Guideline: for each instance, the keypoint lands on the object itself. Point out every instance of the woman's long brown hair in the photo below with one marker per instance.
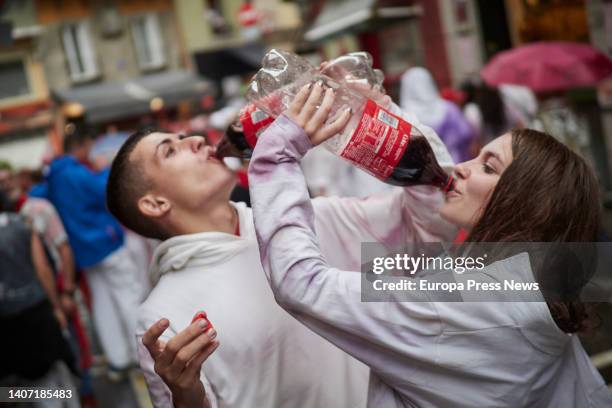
(547, 194)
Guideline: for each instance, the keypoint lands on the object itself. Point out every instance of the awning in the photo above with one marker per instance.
(339, 16)
(108, 101)
(224, 62)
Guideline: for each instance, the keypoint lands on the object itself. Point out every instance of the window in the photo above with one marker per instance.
(79, 52)
(13, 79)
(147, 41)
(216, 17)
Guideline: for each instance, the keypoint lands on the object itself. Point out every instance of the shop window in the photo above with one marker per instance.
(79, 52)
(13, 79)
(148, 42)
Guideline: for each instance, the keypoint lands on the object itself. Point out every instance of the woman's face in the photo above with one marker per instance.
(476, 180)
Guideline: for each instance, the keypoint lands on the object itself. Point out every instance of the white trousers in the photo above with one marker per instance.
(116, 294)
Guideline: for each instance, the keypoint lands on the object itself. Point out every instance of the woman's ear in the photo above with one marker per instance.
(154, 206)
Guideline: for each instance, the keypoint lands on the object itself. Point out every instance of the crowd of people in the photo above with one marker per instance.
(221, 305)
(82, 257)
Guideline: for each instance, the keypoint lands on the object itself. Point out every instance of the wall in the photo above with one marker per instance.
(115, 56)
(198, 35)
(599, 14)
(462, 38)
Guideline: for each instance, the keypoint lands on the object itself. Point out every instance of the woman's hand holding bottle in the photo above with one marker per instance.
(311, 113)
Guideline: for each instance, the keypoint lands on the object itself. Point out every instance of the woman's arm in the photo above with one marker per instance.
(326, 299)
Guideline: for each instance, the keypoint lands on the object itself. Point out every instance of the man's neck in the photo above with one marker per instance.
(222, 217)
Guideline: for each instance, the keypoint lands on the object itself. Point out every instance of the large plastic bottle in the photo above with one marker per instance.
(376, 140)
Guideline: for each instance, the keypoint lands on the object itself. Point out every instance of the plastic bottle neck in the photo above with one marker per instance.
(449, 185)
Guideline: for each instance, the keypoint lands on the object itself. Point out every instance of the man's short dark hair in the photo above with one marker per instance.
(127, 183)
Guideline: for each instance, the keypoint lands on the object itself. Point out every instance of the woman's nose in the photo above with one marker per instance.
(462, 170)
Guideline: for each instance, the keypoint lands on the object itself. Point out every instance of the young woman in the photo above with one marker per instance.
(523, 186)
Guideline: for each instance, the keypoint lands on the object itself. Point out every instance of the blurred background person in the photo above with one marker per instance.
(140, 248)
(558, 115)
(35, 352)
(6, 172)
(419, 95)
(78, 193)
(521, 101)
(46, 222)
(492, 111)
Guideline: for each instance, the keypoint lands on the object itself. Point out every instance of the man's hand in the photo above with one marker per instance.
(310, 113)
(179, 361)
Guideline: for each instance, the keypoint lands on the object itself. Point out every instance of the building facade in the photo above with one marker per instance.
(123, 61)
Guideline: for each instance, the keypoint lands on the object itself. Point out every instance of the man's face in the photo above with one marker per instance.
(183, 170)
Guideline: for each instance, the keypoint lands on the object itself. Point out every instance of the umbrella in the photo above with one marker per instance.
(548, 66)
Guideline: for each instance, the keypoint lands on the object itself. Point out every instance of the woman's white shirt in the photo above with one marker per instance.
(421, 353)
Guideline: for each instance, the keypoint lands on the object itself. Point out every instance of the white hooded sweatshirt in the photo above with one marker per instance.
(421, 353)
(266, 358)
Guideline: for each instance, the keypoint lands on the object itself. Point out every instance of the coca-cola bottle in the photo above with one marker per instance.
(375, 139)
(241, 135)
(353, 69)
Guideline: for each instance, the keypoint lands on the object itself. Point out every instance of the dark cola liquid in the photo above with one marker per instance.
(418, 166)
(234, 144)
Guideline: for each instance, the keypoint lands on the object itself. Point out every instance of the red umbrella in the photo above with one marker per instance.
(548, 66)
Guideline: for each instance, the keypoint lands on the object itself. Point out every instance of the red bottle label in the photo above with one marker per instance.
(254, 121)
(379, 141)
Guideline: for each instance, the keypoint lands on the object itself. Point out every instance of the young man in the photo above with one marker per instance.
(171, 188)
(78, 194)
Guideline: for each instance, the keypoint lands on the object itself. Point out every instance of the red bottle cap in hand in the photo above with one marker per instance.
(202, 315)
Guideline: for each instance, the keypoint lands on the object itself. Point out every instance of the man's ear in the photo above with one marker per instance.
(154, 206)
